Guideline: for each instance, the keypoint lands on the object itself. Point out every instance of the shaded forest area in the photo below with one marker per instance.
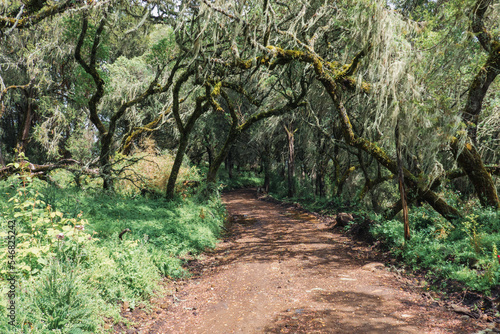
(121, 121)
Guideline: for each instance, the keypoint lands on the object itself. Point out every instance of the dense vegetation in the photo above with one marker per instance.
(119, 115)
(74, 270)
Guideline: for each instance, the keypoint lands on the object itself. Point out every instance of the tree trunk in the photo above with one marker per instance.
(266, 162)
(2, 161)
(229, 164)
(24, 132)
(291, 158)
(321, 167)
(210, 155)
(183, 143)
(341, 182)
(174, 173)
(105, 162)
(214, 167)
(470, 161)
(402, 191)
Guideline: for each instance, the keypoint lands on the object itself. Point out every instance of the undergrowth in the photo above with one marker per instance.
(465, 251)
(72, 269)
(243, 179)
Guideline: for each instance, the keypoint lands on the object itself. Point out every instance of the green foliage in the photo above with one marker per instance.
(42, 232)
(240, 180)
(466, 252)
(61, 300)
(70, 283)
(162, 49)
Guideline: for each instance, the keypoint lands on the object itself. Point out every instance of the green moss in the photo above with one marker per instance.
(294, 54)
(244, 64)
(216, 90)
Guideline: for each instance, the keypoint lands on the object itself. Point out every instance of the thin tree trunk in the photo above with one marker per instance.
(183, 143)
(321, 166)
(402, 191)
(2, 161)
(267, 169)
(174, 173)
(24, 132)
(214, 167)
(291, 158)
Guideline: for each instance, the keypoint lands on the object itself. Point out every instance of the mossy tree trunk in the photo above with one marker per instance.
(28, 115)
(183, 143)
(468, 158)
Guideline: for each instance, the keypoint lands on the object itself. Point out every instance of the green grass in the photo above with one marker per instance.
(465, 251)
(70, 285)
(242, 179)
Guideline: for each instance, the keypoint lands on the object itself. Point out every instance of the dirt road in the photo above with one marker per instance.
(280, 271)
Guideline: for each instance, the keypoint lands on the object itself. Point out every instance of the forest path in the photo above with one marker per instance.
(282, 271)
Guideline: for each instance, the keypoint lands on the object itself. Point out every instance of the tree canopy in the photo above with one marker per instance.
(314, 87)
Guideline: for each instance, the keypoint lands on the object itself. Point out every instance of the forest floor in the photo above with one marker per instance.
(280, 270)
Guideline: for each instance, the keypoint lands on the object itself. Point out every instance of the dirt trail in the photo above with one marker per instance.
(281, 271)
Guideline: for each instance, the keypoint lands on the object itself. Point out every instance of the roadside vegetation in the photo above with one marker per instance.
(74, 269)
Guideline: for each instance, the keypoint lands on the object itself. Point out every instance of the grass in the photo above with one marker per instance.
(242, 179)
(74, 271)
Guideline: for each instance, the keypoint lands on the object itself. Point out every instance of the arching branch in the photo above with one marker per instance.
(29, 19)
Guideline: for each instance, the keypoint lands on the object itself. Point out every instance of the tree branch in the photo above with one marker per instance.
(477, 24)
(91, 70)
(29, 20)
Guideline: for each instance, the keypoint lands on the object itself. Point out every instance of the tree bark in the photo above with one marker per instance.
(401, 183)
(24, 132)
(266, 161)
(236, 130)
(468, 157)
(2, 161)
(229, 165)
(183, 143)
(470, 161)
(291, 158)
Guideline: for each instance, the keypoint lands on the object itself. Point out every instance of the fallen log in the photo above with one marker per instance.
(36, 170)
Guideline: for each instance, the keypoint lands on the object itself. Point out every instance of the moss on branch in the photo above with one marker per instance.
(28, 20)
